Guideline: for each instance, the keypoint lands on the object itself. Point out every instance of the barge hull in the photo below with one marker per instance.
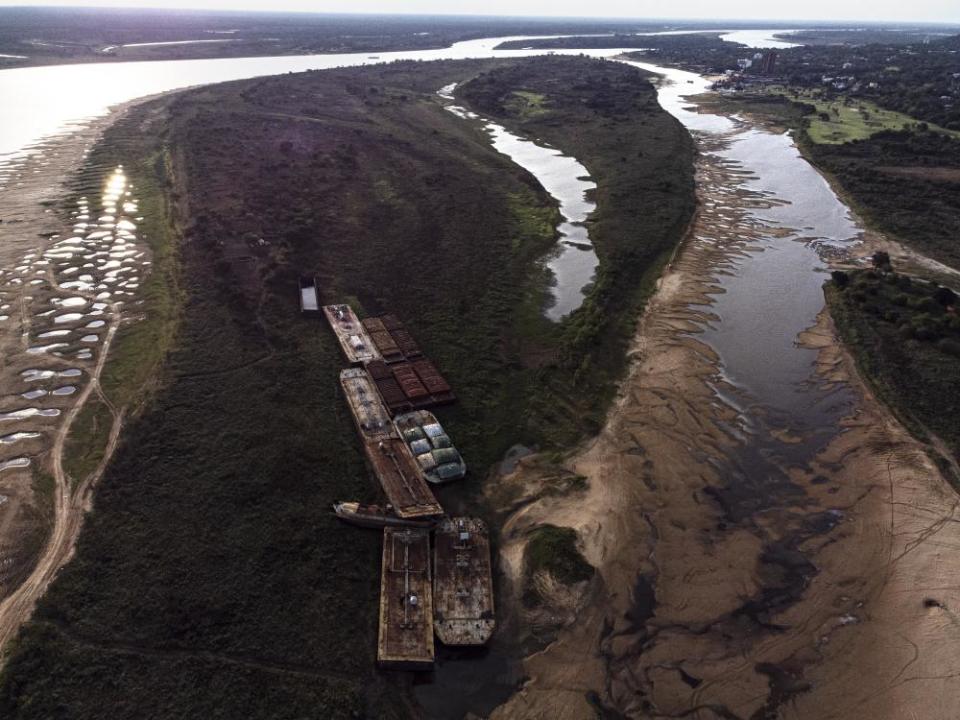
(369, 413)
(405, 636)
(400, 477)
(463, 583)
(353, 338)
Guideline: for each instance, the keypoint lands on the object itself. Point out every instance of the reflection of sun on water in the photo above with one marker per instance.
(81, 282)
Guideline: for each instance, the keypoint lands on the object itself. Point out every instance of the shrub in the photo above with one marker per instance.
(945, 296)
(881, 261)
(949, 346)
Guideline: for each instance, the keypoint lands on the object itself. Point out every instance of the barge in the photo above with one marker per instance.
(309, 296)
(439, 460)
(369, 413)
(407, 386)
(405, 636)
(463, 582)
(354, 340)
(400, 478)
(392, 339)
(389, 456)
(375, 516)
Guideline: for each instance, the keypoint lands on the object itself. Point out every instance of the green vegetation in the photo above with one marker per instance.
(211, 579)
(835, 120)
(88, 439)
(840, 121)
(606, 115)
(905, 336)
(526, 104)
(554, 550)
(904, 183)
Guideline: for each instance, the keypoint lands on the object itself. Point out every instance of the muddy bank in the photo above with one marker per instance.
(819, 589)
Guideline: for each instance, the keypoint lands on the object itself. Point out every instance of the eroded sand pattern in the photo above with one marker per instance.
(65, 290)
(769, 543)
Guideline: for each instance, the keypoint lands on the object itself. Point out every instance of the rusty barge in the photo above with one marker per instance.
(405, 636)
(389, 456)
(375, 516)
(462, 582)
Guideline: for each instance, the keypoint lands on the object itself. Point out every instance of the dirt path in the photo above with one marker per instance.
(70, 503)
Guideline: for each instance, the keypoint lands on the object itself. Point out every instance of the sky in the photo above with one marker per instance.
(830, 10)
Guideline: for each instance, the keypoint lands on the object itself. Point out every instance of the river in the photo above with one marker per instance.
(765, 298)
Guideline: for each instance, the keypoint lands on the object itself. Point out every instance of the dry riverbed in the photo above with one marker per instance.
(70, 269)
(828, 595)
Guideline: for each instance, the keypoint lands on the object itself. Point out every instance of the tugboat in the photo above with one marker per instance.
(375, 516)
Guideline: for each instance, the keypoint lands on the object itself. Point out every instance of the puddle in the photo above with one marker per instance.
(28, 413)
(20, 462)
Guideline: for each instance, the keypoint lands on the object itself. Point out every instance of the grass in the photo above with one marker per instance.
(527, 104)
(554, 550)
(139, 348)
(87, 440)
(907, 344)
(834, 121)
(606, 115)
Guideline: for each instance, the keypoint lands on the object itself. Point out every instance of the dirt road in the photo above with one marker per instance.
(70, 502)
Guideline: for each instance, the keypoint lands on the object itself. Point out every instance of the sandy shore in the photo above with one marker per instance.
(42, 235)
(832, 600)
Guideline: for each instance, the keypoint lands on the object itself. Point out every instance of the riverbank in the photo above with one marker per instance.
(905, 336)
(71, 399)
(900, 182)
(725, 603)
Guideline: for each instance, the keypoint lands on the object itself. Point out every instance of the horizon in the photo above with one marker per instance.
(422, 8)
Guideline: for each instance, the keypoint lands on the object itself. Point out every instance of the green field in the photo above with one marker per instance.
(840, 120)
(211, 579)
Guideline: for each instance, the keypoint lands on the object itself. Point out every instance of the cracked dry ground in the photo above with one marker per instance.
(830, 592)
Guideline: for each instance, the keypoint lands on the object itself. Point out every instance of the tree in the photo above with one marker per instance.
(881, 261)
(840, 278)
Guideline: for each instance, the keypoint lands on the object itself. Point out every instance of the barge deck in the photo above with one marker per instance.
(400, 477)
(369, 413)
(405, 637)
(463, 583)
(354, 340)
(389, 456)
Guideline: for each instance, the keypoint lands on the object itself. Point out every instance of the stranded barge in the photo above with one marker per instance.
(389, 456)
(405, 638)
(375, 516)
(353, 339)
(430, 445)
(309, 302)
(462, 582)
